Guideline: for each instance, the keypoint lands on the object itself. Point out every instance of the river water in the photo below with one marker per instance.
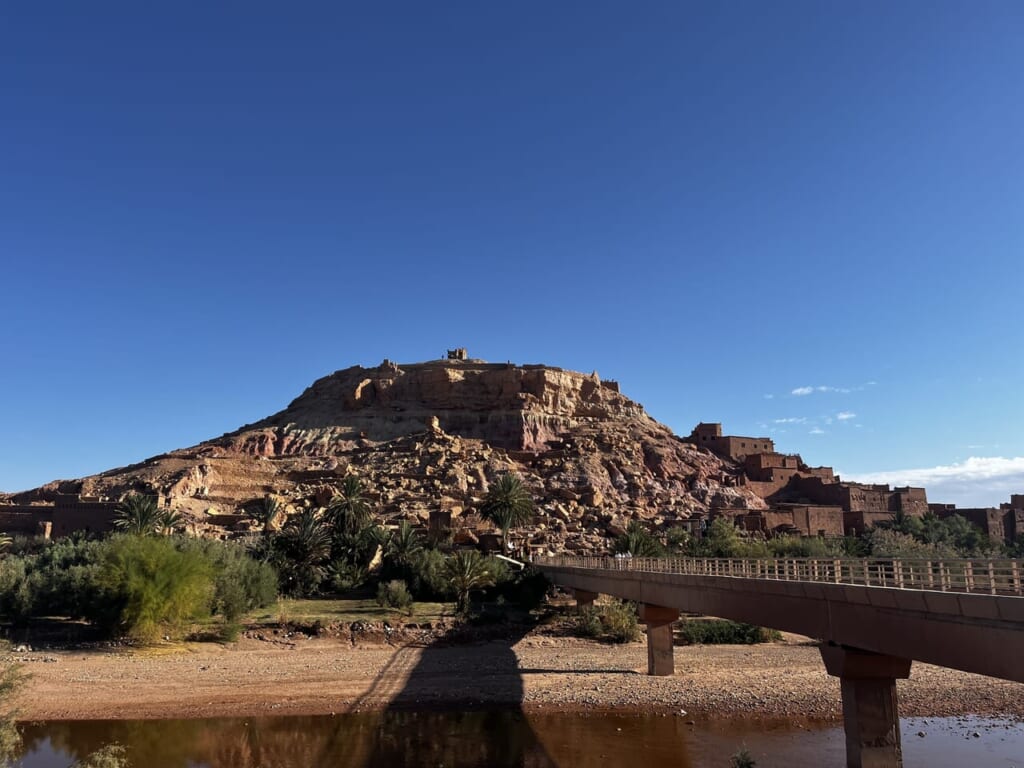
(506, 739)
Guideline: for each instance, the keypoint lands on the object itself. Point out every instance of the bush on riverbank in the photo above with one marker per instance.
(615, 621)
(394, 594)
(136, 586)
(722, 632)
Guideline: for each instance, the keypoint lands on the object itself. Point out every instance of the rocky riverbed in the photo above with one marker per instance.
(321, 675)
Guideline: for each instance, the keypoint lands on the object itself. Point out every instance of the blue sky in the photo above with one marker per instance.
(802, 219)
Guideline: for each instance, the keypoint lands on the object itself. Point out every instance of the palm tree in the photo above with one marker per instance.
(265, 512)
(508, 505)
(137, 514)
(305, 544)
(467, 571)
(638, 541)
(350, 508)
(403, 545)
(168, 521)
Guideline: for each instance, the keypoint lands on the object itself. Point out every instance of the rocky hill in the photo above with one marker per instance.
(431, 436)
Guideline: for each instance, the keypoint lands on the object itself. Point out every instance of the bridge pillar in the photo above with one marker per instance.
(660, 648)
(584, 599)
(870, 715)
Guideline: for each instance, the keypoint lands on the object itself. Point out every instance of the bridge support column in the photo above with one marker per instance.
(660, 656)
(870, 714)
(584, 599)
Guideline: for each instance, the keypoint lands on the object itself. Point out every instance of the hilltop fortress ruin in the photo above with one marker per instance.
(428, 438)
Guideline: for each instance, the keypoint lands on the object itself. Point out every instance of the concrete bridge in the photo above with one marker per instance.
(873, 618)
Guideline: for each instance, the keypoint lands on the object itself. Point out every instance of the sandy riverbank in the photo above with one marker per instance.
(322, 675)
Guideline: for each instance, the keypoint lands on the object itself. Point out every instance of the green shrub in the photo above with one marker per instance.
(394, 594)
(799, 546)
(588, 622)
(620, 622)
(615, 621)
(240, 582)
(524, 589)
(742, 759)
(428, 579)
(15, 592)
(149, 587)
(343, 576)
(722, 632)
(230, 632)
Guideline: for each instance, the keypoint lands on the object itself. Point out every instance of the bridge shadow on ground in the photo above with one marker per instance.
(456, 702)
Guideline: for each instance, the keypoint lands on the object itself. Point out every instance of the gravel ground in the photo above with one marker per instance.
(322, 675)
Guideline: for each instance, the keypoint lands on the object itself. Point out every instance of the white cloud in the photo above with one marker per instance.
(846, 415)
(977, 482)
(817, 431)
(792, 420)
(803, 391)
(769, 397)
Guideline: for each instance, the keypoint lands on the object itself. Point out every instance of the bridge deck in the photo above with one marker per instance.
(960, 614)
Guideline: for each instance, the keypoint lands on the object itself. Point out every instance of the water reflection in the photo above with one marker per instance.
(505, 739)
(408, 739)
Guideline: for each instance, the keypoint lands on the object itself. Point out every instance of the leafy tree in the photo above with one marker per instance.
(137, 514)
(350, 508)
(800, 546)
(885, 542)
(508, 505)
(901, 522)
(467, 571)
(638, 541)
(302, 550)
(721, 539)
(678, 540)
(954, 535)
(1016, 547)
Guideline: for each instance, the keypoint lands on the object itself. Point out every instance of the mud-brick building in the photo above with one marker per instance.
(728, 446)
(863, 505)
(769, 473)
(66, 514)
(795, 519)
(1002, 523)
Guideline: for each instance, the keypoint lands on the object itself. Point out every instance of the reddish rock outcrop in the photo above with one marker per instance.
(432, 435)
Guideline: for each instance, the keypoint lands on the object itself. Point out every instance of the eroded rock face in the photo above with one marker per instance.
(507, 406)
(433, 435)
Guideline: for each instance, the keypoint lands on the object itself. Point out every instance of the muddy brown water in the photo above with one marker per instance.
(506, 739)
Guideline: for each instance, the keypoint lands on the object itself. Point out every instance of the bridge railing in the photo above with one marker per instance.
(995, 577)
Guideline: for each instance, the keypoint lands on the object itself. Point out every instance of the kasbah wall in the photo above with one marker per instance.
(65, 515)
(814, 501)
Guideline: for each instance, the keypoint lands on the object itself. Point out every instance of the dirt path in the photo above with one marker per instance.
(320, 676)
